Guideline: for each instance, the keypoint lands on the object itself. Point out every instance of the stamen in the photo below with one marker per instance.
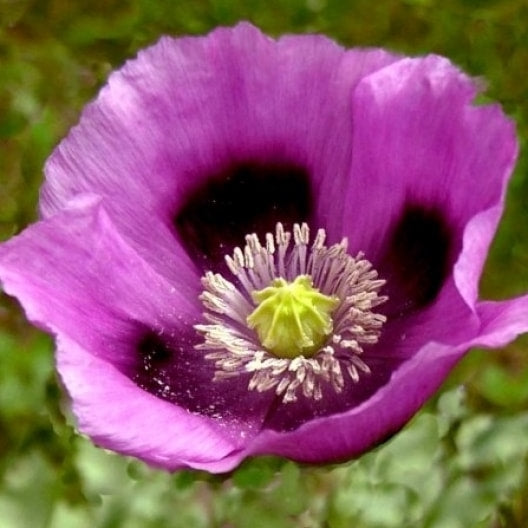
(238, 348)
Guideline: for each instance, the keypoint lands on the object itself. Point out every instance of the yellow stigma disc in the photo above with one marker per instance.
(292, 318)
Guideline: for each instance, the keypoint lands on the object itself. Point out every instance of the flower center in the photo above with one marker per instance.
(292, 318)
(297, 317)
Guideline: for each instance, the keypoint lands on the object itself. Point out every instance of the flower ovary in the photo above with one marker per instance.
(292, 318)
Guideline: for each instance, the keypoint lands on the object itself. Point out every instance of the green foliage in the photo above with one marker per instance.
(460, 463)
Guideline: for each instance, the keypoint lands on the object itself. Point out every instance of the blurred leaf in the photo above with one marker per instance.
(503, 389)
(255, 473)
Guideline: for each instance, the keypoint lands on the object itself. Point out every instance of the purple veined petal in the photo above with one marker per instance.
(81, 279)
(424, 157)
(117, 415)
(429, 172)
(74, 273)
(274, 117)
(345, 435)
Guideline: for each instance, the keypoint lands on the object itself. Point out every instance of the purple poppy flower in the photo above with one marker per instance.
(254, 246)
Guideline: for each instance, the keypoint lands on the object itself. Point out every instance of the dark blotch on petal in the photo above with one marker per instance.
(154, 363)
(247, 197)
(420, 254)
(154, 348)
(170, 368)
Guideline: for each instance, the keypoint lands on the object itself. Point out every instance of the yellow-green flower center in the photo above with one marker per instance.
(292, 318)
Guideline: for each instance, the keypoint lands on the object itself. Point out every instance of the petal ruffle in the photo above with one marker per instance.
(502, 321)
(419, 141)
(76, 275)
(187, 108)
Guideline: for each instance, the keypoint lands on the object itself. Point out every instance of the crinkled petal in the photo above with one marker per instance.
(349, 434)
(75, 274)
(502, 321)
(419, 142)
(188, 110)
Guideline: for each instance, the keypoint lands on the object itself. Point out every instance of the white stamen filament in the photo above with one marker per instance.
(235, 348)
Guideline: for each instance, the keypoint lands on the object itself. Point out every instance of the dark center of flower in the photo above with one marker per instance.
(283, 191)
(297, 318)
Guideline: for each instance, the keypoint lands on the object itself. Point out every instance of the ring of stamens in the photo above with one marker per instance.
(235, 347)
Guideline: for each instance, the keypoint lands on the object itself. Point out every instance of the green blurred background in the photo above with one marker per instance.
(462, 462)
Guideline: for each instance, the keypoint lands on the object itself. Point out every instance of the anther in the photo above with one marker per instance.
(298, 318)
